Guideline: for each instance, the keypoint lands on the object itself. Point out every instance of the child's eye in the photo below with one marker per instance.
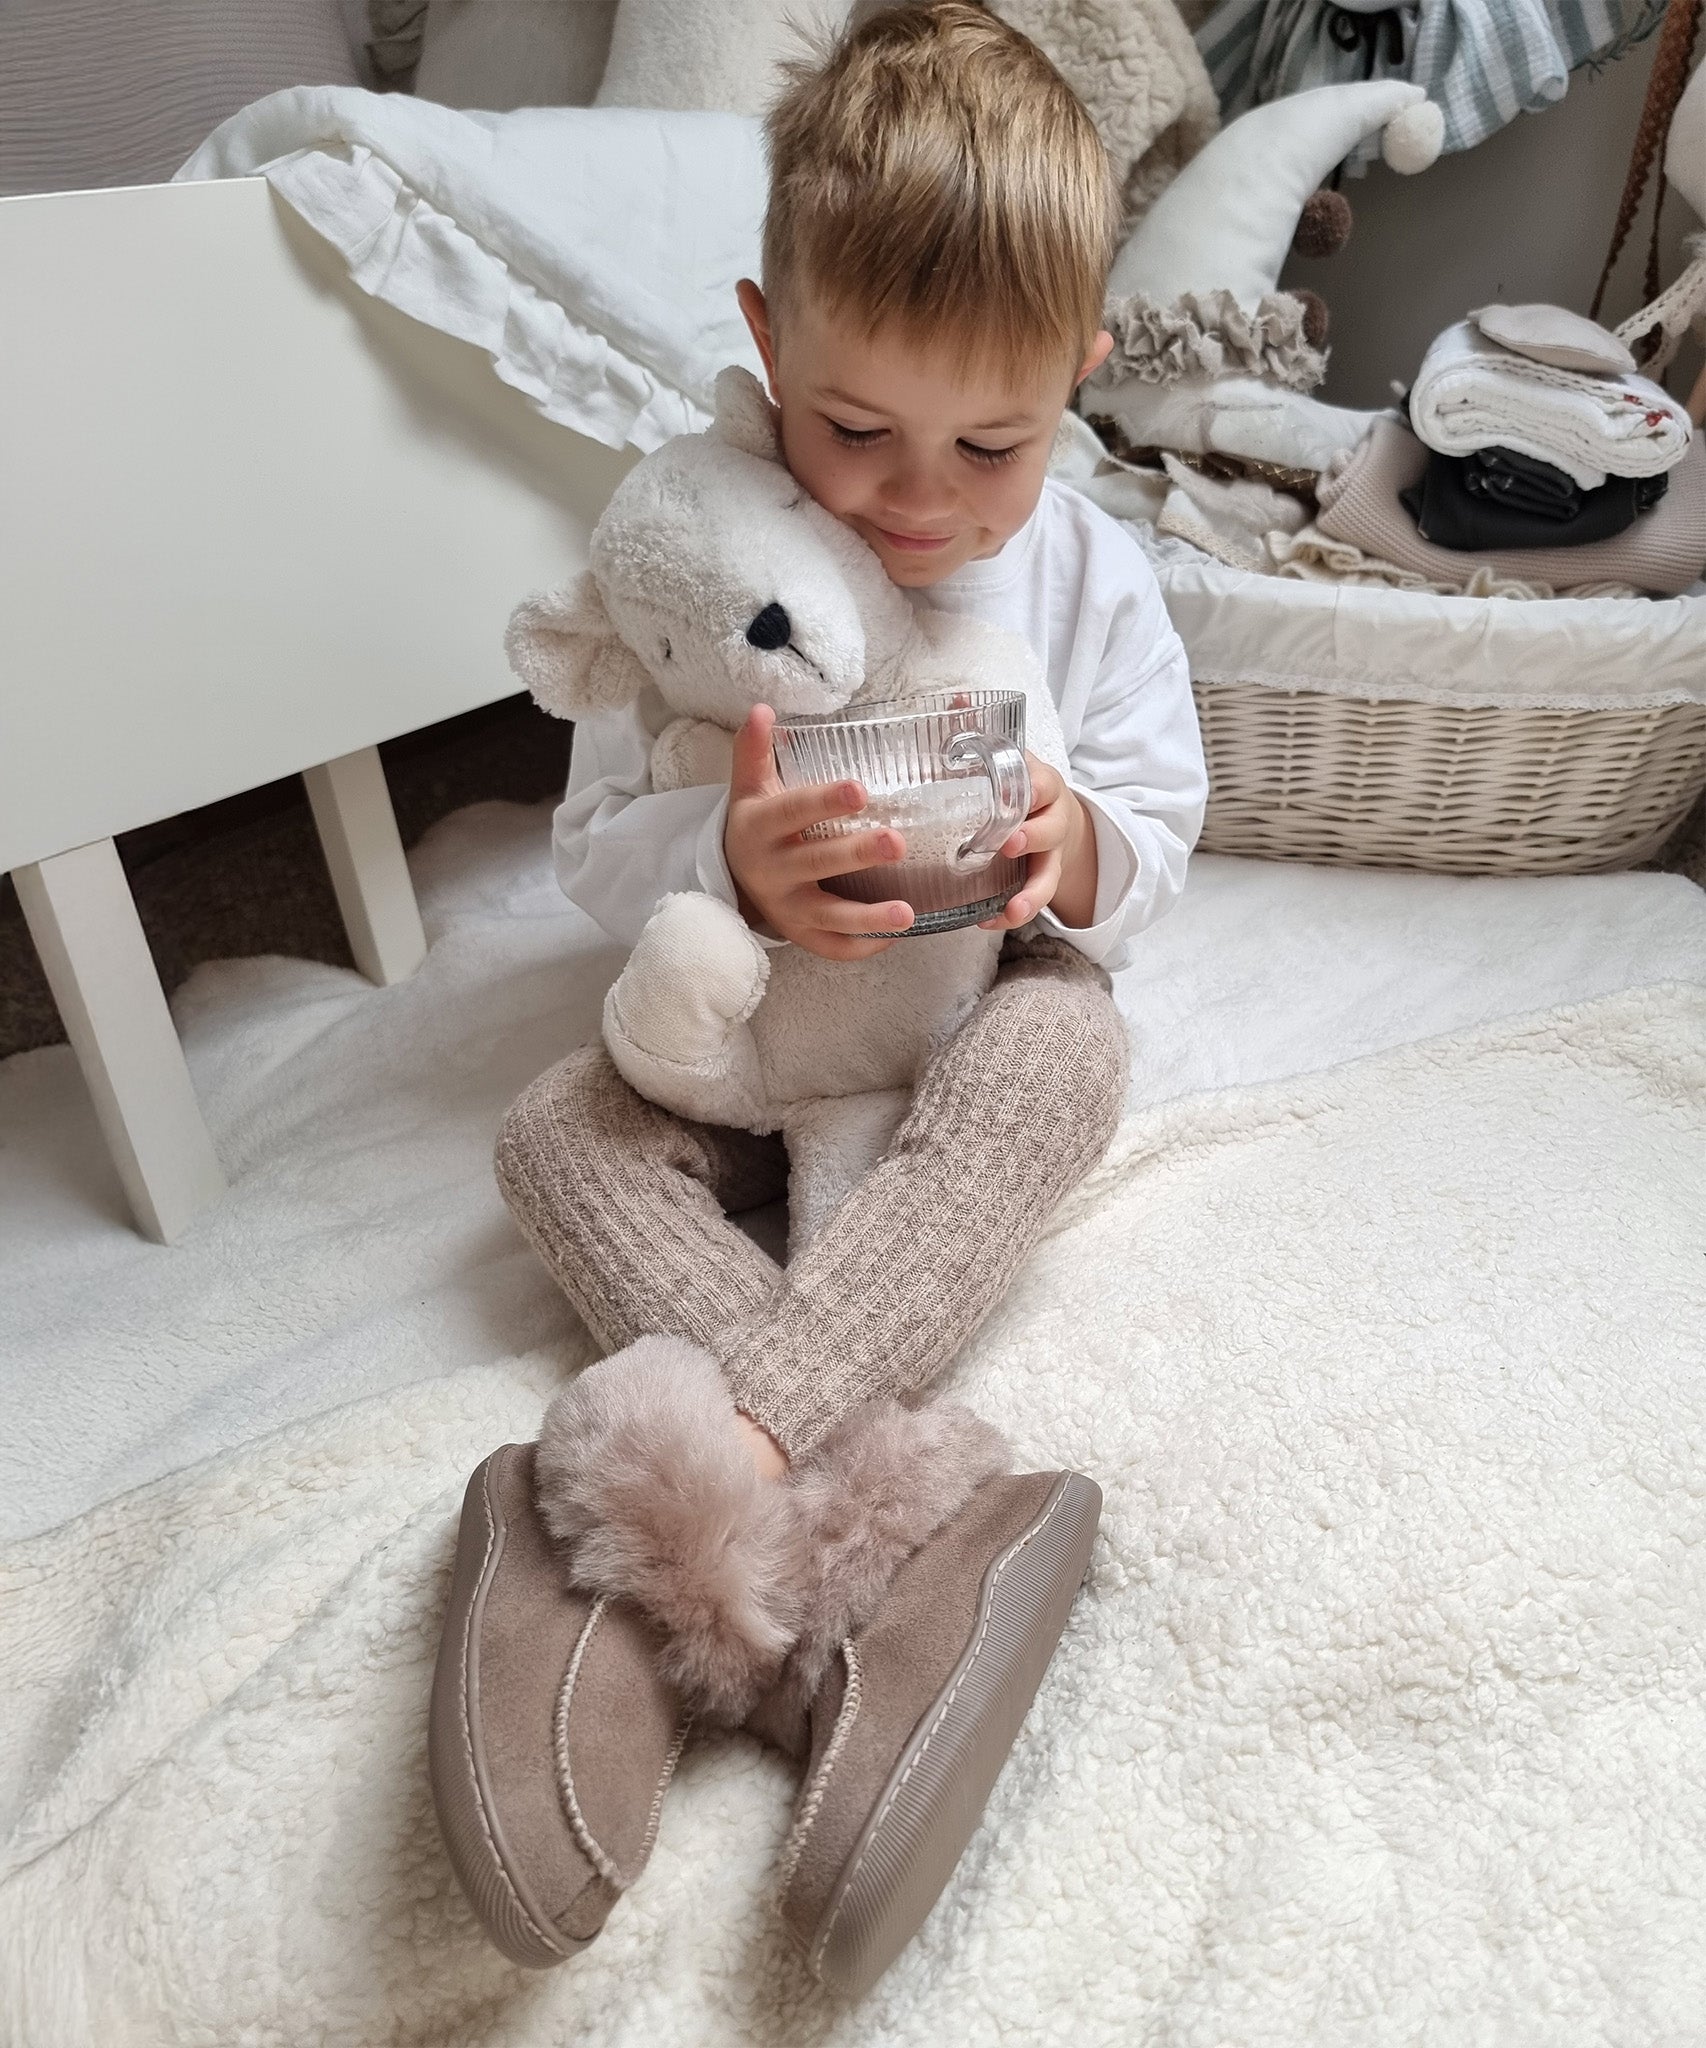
(991, 455)
(854, 437)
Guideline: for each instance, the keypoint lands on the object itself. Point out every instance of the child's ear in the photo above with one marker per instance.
(744, 418)
(564, 647)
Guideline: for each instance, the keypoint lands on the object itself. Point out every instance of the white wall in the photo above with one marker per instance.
(1526, 216)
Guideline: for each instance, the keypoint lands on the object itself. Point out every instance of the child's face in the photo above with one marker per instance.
(932, 464)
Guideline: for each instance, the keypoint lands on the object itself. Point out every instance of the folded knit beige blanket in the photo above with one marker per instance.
(1662, 553)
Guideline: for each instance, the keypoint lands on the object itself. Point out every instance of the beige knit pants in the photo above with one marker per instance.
(629, 1205)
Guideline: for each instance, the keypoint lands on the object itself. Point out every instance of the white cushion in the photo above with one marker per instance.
(1555, 335)
(591, 251)
(709, 53)
(1586, 654)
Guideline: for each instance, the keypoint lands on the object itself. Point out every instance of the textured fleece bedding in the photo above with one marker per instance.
(1380, 1718)
(1381, 1715)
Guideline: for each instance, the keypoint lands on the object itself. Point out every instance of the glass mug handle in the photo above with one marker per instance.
(1010, 792)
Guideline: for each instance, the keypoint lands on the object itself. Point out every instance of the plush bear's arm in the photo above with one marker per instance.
(690, 752)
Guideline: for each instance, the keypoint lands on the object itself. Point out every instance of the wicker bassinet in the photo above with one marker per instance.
(1471, 736)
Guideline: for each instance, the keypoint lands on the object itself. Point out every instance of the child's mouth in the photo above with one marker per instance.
(914, 543)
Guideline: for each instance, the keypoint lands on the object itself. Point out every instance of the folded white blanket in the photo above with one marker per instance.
(592, 252)
(1470, 393)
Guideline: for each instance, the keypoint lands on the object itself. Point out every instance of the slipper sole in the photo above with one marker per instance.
(935, 1796)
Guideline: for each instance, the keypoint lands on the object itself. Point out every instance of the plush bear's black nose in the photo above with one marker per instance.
(770, 629)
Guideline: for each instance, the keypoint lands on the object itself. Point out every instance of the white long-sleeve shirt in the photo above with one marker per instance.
(1080, 592)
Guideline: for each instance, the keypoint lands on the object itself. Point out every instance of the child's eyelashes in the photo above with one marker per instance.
(991, 455)
(865, 437)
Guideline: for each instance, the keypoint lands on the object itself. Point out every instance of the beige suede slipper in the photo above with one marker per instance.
(914, 1716)
(885, 1613)
(552, 1736)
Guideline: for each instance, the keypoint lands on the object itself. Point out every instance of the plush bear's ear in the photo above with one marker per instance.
(564, 648)
(744, 417)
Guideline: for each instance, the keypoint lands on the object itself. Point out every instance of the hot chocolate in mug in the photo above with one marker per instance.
(948, 773)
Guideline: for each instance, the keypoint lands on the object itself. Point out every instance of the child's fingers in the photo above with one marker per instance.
(753, 769)
(1042, 831)
(792, 811)
(1048, 786)
(815, 860)
(1037, 894)
(818, 910)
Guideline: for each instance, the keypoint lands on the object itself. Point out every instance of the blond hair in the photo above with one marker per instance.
(934, 171)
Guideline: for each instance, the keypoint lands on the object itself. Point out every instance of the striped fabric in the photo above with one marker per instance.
(1483, 61)
(119, 92)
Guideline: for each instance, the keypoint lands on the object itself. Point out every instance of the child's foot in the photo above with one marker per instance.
(884, 1613)
(910, 1725)
(551, 1736)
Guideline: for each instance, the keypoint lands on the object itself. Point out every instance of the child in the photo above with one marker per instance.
(939, 233)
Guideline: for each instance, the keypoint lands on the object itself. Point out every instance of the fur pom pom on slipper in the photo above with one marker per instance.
(645, 1478)
(874, 1492)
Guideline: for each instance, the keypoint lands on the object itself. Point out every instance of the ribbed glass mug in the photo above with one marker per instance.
(948, 772)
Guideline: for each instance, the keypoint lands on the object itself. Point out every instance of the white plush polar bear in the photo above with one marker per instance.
(716, 583)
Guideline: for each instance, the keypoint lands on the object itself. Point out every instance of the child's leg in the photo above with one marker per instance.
(1008, 1118)
(865, 1589)
(626, 1204)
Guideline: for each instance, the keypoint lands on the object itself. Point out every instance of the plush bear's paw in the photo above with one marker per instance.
(689, 753)
(695, 976)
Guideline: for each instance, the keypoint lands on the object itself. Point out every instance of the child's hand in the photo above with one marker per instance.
(777, 872)
(1061, 842)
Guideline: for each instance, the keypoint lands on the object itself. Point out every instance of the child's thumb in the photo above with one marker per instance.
(753, 771)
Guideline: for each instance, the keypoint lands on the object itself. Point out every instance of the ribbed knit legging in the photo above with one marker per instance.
(629, 1205)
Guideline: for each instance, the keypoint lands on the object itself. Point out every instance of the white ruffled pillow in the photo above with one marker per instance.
(592, 252)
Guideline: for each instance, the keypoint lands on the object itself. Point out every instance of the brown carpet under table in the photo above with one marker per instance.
(246, 875)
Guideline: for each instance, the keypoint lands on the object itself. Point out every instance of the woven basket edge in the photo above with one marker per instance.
(1401, 687)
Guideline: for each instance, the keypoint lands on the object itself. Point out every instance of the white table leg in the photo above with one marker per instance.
(84, 923)
(358, 831)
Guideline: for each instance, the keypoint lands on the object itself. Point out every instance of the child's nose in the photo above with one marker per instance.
(916, 490)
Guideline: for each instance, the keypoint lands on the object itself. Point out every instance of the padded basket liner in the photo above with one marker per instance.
(1382, 728)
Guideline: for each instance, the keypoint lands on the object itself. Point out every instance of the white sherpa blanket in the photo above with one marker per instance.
(1381, 1719)
(1470, 393)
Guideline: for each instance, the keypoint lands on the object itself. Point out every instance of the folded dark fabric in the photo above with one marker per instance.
(1517, 479)
(1453, 508)
(1662, 552)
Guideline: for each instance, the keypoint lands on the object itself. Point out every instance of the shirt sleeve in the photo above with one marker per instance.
(1137, 762)
(620, 846)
